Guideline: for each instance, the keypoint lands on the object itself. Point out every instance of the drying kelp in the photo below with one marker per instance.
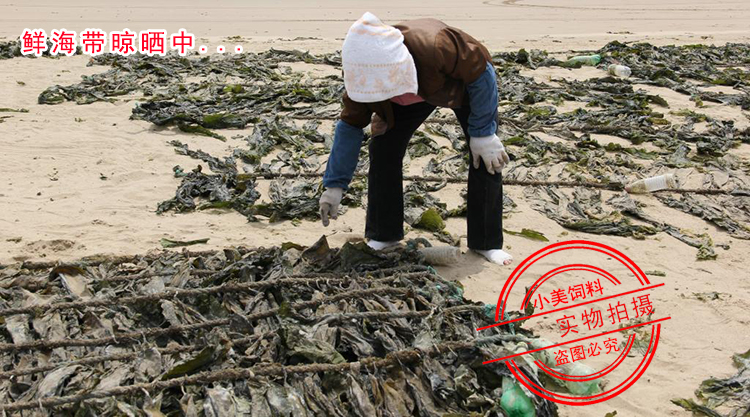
(423, 210)
(532, 59)
(670, 66)
(729, 397)
(617, 109)
(626, 111)
(583, 160)
(171, 243)
(454, 133)
(285, 331)
(298, 145)
(422, 145)
(12, 49)
(90, 89)
(730, 213)
(615, 106)
(293, 200)
(224, 188)
(211, 92)
(205, 94)
(666, 65)
(216, 190)
(212, 106)
(630, 207)
(584, 212)
(227, 188)
(455, 166)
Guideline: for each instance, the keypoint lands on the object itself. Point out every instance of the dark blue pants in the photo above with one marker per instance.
(385, 195)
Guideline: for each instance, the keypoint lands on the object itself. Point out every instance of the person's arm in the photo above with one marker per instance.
(347, 139)
(484, 143)
(462, 57)
(342, 162)
(483, 101)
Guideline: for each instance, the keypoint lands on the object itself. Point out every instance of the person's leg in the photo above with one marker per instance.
(385, 197)
(484, 217)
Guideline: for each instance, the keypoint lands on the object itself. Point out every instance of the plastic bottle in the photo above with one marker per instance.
(619, 70)
(441, 255)
(592, 60)
(579, 387)
(575, 369)
(515, 402)
(544, 356)
(652, 184)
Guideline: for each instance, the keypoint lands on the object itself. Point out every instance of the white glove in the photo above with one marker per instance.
(492, 152)
(329, 204)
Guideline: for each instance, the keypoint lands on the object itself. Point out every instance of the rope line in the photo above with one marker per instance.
(612, 186)
(182, 293)
(139, 335)
(235, 342)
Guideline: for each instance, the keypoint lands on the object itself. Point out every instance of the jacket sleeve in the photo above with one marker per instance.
(354, 113)
(483, 101)
(459, 55)
(347, 140)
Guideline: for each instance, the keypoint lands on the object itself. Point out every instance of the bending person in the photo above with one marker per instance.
(395, 76)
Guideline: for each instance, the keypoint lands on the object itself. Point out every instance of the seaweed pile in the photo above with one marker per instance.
(198, 91)
(12, 49)
(201, 94)
(283, 331)
(730, 395)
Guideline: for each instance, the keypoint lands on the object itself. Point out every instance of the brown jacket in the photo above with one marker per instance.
(446, 59)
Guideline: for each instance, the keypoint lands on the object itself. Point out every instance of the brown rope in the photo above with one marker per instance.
(406, 356)
(388, 271)
(115, 260)
(386, 315)
(208, 272)
(612, 186)
(143, 275)
(372, 315)
(118, 339)
(436, 120)
(183, 293)
(123, 259)
(170, 350)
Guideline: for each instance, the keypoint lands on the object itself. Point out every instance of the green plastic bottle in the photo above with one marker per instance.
(591, 60)
(515, 402)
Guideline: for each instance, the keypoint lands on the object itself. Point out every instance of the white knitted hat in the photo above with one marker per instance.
(377, 64)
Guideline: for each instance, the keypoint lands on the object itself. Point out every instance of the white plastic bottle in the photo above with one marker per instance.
(619, 70)
(441, 255)
(651, 184)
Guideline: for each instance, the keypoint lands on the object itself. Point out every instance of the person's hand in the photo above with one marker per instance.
(492, 152)
(329, 204)
(378, 126)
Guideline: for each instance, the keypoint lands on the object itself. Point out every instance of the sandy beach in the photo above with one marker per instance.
(79, 180)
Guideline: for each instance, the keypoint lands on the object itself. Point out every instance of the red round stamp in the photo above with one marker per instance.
(629, 307)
